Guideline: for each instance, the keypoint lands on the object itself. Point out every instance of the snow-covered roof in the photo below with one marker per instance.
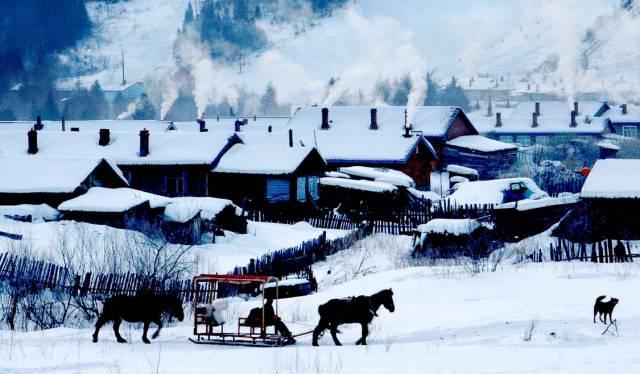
(362, 185)
(462, 170)
(550, 125)
(608, 145)
(528, 204)
(491, 191)
(450, 226)
(224, 124)
(247, 159)
(480, 143)
(37, 212)
(32, 174)
(169, 148)
(338, 147)
(558, 108)
(181, 209)
(395, 177)
(613, 179)
(432, 121)
(112, 200)
(615, 115)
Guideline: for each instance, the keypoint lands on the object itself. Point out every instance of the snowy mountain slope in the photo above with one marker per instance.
(377, 39)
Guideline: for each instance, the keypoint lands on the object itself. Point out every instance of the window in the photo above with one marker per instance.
(524, 140)
(313, 187)
(630, 131)
(277, 190)
(175, 186)
(506, 138)
(562, 139)
(301, 189)
(542, 140)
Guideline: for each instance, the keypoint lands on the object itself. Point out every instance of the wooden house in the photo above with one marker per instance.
(550, 123)
(383, 136)
(34, 179)
(266, 175)
(489, 157)
(609, 206)
(170, 163)
(625, 120)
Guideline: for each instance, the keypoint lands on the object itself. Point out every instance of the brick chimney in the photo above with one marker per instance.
(38, 125)
(203, 125)
(537, 108)
(576, 107)
(624, 108)
(105, 137)
(32, 137)
(290, 138)
(573, 119)
(237, 125)
(498, 119)
(374, 119)
(144, 143)
(534, 123)
(325, 119)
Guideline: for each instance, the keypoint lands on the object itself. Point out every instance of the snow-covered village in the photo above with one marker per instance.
(319, 186)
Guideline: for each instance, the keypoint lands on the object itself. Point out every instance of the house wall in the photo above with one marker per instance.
(175, 180)
(618, 128)
(488, 164)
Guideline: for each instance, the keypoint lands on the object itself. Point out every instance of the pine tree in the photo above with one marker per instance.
(454, 95)
(98, 105)
(119, 105)
(241, 10)
(433, 92)
(403, 89)
(144, 109)
(51, 111)
(188, 16)
(257, 14)
(268, 100)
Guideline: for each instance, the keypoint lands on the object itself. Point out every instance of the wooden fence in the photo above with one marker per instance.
(600, 252)
(298, 259)
(38, 275)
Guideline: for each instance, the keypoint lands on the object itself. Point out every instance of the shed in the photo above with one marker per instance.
(489, 157)
(610, 204)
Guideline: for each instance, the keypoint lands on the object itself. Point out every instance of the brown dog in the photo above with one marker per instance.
(604, 308)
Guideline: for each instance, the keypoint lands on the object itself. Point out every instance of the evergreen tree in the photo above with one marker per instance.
(241, 10)
(144, 109)
(183, 109)
(188, 16)
(433, 92)
(98, 107)
(119, 105)
(257, 14)
(382, 91)
(403, 89)
(454, 95)
(7, 115)
(268, 100)
(51, 111)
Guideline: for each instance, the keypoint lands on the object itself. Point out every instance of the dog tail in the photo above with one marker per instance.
(600, 298)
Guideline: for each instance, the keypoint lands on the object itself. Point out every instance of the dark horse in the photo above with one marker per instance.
(359, 309)
(142, 308)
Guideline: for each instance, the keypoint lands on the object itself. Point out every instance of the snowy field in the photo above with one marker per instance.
(520, 319)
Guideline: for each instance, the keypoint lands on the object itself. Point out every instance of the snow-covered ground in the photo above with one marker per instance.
(43, 240)
(520, 319)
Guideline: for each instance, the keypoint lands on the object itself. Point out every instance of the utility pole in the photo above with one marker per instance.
(124, 81)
